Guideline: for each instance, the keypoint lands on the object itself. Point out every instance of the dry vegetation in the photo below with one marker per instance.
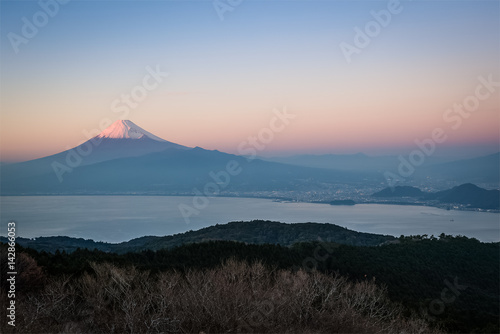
(234, 297)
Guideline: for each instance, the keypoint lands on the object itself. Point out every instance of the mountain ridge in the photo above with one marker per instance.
(252, 232)
(173, 170)
(467, 194)
(125, 159)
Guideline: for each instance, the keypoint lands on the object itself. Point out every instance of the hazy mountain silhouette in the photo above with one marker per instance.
(175, 170)
(124, 158)
(466, 194)
(478, 170)
(352, 162)
(470, 195)
(399, 191)
(484, 169)
(121, 139)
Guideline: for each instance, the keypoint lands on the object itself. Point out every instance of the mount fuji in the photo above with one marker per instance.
(121, 139)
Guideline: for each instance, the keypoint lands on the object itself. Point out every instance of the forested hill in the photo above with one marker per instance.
(252, 232)
(450, 282)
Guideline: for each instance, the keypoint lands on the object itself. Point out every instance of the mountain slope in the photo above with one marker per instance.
(399, 191)
(174, 171)
(470, 195)
(121, 139)
(352, 162)
(467, 194)
(125, 129)
(357, 162)
(478, 170)
(252, 232)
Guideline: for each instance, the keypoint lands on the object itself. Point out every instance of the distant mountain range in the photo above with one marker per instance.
(467, 194)
(477, 170)
(484, 169)
(353, 162)
(126, 159)
(175, 170)
(252, 232)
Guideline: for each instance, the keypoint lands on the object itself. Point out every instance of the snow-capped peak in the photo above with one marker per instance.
(125, 129)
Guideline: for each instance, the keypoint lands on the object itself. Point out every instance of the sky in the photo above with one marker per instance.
(225, 68)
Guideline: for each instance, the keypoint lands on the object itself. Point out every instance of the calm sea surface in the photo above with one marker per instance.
(121, 218)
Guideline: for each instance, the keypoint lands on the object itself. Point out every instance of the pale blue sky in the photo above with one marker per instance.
(225, 77)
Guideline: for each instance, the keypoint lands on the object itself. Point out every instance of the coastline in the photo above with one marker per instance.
(333, 202)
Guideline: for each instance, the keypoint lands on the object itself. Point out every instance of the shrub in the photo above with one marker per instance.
(233, 297)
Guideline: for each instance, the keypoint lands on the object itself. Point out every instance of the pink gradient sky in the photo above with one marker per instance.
(225, 78)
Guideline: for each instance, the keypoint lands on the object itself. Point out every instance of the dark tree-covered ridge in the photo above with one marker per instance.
(254, 232)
